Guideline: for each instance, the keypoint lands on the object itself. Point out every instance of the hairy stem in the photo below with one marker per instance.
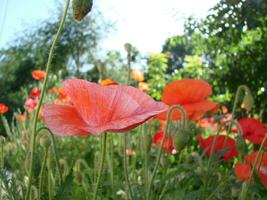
(102, 159)
(35, 120)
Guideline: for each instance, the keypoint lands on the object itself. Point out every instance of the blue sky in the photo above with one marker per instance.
(144, 23)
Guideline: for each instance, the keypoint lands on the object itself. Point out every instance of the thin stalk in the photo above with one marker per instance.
(102, 159)
(110, 158)
(34, 133)
(162, 142)
(125, 159)
(42, 173)
(146, 158)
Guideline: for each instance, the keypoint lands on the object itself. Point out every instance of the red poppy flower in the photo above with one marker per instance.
(34, 93)
(168, 143)
(223, 143)
(97, 109)
(242, 171)
(3, 108)
(253, 130)
(191, 94)
(38, 75)
(261, 165)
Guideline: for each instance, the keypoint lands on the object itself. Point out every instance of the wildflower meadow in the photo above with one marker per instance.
(189, 123)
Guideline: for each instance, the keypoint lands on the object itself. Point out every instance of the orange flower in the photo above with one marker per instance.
(107, 82)
(143, 86)
(3, 108)
(191, 94)
(22, 117)
(97, 109)
(137, 75)
(38, 75)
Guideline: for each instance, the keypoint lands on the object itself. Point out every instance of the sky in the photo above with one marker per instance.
(144, 23)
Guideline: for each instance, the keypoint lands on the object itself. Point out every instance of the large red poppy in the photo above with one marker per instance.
(97, 109)
(261, 165)
(168, 142)
(223, 143)
(253, 130)
(242, 171)
(191, 94)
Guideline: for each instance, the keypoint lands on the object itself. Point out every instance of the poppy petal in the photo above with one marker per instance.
(242, 171)
(186, 91)
(115, 108)
(64, 120)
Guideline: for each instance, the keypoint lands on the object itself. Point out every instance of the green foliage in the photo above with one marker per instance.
(157, 66)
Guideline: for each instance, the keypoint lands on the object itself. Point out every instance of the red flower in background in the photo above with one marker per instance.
(260, 165)
(3, 108)
(38, 75)
(31, 104)
(223, 143)
(242, 171)
(97, 109)
(191, 94)
(34, 93)
(253, 130)
(168, 142)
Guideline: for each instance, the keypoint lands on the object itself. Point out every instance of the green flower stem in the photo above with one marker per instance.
(145, 150)
(243, 194)
(54, 151)
(42, 173)
(183, 119)
(125, 159)
(110, 161)
(35, 120)
(102, 159)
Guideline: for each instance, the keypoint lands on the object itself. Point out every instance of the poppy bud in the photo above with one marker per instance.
(80, 8)
(248, 101)
(180, 139)
(127, 47)
(241, 146)
(45, 141)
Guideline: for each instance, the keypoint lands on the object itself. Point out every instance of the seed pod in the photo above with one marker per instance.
(80, 8)
(127, 47)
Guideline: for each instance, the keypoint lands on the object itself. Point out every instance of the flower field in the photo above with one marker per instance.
(136, 134)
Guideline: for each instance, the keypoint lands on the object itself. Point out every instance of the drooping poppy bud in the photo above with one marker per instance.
(45, 141)
(180, 139)
(248, 101)
(80, 8)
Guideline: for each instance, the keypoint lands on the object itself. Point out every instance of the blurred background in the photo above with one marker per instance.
(221, 41)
